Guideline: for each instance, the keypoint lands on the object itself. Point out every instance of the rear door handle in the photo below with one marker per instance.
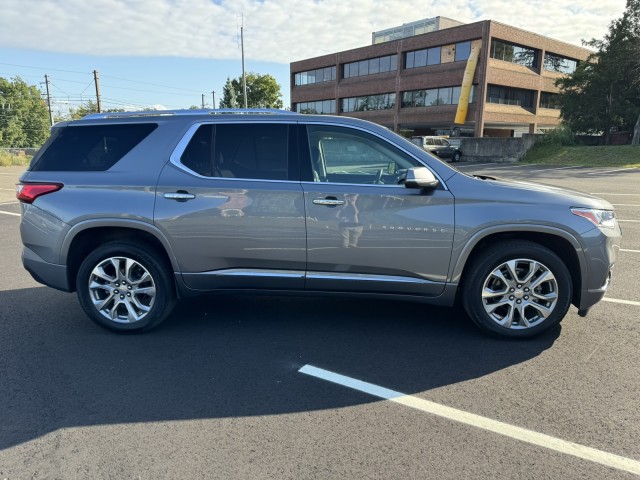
(179, 196)
(329, 201)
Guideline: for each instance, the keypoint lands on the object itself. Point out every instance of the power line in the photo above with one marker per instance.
(44, 68)
(148, 83)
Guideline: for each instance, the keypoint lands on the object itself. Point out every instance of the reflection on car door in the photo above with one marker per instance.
(365, 232)
(232, 207)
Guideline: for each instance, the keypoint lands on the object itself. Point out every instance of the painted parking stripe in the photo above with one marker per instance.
(618, 194)
(9, 213)
(9, 203)
(632, 221)
(512, 431)
(624, 302)
(555, 169)
(627, 250)
(612, 171)
(625, 205)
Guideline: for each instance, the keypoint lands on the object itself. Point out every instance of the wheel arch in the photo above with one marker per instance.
(562, 243)
(82, 238)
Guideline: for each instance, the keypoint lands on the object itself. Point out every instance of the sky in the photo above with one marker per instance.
(168, 53)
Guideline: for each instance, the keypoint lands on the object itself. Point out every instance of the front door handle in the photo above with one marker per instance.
(329, 201)
(179, 196)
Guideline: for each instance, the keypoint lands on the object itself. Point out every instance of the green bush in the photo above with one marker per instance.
(559, 136)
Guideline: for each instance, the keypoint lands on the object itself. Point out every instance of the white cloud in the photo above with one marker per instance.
(275, 30)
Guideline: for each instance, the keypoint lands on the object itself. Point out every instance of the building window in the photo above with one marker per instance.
(556, 63)
(383, 101)
(372, 66)
(319, 107)
(510, 96)
(422, 58)
(326, 74)
(434, 96)
(549, 100)
(463, 50)
(513, 53)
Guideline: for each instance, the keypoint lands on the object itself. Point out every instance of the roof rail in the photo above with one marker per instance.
(217, 111)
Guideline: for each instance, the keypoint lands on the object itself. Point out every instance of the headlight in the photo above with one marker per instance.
(600, 218)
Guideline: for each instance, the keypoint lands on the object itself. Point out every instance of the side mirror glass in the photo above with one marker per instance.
(420, 177)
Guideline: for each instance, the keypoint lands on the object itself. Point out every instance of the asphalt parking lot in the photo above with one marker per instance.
(218, 391)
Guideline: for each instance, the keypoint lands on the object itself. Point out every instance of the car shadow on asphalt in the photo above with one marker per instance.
(227, 356)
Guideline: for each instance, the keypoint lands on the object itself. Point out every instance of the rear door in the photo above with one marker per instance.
(232, 206)
(365, 231)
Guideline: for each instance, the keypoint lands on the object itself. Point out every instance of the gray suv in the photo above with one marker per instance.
(135, 210)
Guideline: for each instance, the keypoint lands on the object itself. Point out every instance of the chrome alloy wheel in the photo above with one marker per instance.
(122, 290)
(520, 293)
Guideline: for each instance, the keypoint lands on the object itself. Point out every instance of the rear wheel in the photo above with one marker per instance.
(125, 288)
(517, 289)
(457, 156)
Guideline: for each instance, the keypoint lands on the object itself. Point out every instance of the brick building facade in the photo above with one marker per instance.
(414, 83)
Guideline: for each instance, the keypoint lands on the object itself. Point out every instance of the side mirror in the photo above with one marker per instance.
(420, 177)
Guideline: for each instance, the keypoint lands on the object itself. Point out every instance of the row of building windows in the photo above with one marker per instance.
(433, 56)
(384, 101)
(529, 57)
(372, 66)
(431, 97)
(434, 96)
(319, 75)
(388, 63)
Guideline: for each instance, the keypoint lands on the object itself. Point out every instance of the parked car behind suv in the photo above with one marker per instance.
(441, 147)
(135, 210)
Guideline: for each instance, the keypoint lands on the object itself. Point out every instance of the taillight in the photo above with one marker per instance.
(28, 192)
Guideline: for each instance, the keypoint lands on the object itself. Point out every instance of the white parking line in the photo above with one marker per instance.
(632, 251)
(9, 203)
(8, 189)
(612, 171)
(618, 194)
(9, 213)
(625, 205)
(632, 221)
(518, 433)
(555, 169)
(624, 302)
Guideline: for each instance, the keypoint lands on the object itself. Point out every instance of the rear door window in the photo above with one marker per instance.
(250, 151)
(91, 147)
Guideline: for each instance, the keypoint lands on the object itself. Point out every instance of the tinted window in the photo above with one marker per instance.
(254, 151)
(91, 147)
(344, 155)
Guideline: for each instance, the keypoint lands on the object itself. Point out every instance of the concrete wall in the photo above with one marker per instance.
(488, 149)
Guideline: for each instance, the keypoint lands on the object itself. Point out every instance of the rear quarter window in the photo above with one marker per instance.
(91, 147)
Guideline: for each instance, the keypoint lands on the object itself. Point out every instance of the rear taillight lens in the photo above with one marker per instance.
(28, 192)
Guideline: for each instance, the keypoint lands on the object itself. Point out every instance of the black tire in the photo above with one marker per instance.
(457, 156)
(508, 300)
(147, 289)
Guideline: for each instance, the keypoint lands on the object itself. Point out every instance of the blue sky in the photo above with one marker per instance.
(170, 52)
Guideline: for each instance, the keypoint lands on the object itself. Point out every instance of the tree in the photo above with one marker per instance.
(263, 91)
(603, 94)
(24, 117)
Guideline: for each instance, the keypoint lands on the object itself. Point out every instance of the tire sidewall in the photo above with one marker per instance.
(472, 293)
(165, 292)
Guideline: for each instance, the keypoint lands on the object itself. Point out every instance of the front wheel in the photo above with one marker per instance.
(123, 288)
(517, 289)
(457, 156)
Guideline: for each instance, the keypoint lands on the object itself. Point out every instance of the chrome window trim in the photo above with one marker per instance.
(188, 135)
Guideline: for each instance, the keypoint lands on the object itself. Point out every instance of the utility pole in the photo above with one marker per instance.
(96, 79)
(203, 101)
(46, 82)
(213, 92)
(244, 77)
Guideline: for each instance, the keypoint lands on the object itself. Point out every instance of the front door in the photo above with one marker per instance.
(365, 230)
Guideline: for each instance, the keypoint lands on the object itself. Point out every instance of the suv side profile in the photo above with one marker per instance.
(135, 210)
(440, 147)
